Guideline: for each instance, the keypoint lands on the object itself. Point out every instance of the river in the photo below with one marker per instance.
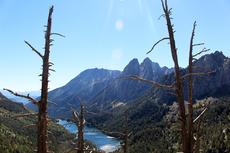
(101, 140)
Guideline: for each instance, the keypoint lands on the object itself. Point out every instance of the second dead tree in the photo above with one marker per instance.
(186, 121)
(80, 123)
(78, 118)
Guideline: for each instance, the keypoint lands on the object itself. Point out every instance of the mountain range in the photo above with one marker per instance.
(152, 112)
(104, 89)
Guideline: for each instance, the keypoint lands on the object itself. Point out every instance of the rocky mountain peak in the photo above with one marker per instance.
(211, 61)
(94, 75)
(146, 61)
(146, 69)
(133, 68)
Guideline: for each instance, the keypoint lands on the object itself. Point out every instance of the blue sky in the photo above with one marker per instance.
(101, 33)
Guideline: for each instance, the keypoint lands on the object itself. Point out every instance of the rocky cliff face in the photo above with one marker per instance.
(124, 90)
(214, 84)
(217, 83)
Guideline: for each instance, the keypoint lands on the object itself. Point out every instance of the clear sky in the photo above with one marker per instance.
(101, 33)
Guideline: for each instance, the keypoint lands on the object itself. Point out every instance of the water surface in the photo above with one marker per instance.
(100, 139)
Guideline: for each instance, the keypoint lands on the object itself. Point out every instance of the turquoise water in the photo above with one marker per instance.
(101, 140)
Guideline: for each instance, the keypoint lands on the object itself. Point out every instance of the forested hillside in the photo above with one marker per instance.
(154, 126)
(19, 135)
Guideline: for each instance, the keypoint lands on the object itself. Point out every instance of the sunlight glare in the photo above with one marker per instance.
(119, 25)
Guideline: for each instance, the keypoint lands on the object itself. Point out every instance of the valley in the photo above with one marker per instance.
(149, 111)
(102, 82)
(152, 113)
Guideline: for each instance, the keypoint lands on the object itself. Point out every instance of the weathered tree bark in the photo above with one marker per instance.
(42, 137)
(179, 84)
(190, 92)
(80, 131)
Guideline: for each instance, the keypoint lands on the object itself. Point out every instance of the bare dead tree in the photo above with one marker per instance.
(186, 121)
(42, 122)
(79, 120)
(179, 84)
(42, 109)
(190, 91)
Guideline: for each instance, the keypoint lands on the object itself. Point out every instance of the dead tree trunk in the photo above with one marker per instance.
(80, 131)
(179, 84)
(190, 92)
(42, 123)
(186, 123)
(80, 122)
(42, 137)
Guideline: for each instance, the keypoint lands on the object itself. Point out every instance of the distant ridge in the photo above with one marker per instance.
(101, 88)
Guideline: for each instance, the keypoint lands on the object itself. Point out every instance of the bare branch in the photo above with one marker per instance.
(93, 113)
(50, 63)
(156, 84)
(30, 126)
(24, 115)
(49, 132)
(24, 106)
(52, 70)
(201, 67)
(58, 34)
(166, 7)
(163, 15)
(165, 38)
(201, 114)
(23, 96)
(51, 102)
(163, 5)
(33, 49)
(197, 74)
(112, 133)
(202, 51)
(76, 116)
(200, 44)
